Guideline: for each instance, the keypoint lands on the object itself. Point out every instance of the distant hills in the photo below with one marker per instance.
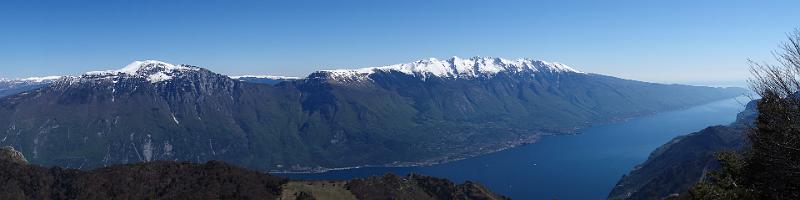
(423, 112)
(266, 79)
(15, 86)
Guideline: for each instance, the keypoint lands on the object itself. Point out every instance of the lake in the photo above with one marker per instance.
(581, 166)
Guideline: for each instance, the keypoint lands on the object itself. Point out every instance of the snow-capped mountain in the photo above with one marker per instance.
(455, 67)
(152, 70)
(156, 71)
(452, 68)
(14, 86)
(424, 111)
(44, 79)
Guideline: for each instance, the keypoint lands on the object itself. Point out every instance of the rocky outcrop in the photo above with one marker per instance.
(8, 153)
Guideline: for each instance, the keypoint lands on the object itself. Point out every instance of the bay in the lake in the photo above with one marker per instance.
(581, 166)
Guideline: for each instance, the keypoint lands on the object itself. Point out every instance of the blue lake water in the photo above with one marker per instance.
(582, 166)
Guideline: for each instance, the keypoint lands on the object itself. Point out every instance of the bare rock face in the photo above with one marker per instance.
(8, 153)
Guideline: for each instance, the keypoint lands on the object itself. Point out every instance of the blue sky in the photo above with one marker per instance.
(662, 41)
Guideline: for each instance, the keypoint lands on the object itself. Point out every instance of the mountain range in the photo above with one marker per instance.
(423, 112)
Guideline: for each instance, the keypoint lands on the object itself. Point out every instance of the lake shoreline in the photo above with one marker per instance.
(509, 145)
(531, 139)
(593, 160)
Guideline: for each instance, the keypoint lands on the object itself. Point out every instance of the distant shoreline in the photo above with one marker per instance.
(508, 145)
(531, 139)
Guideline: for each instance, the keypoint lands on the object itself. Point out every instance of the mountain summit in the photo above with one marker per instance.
(153, 70)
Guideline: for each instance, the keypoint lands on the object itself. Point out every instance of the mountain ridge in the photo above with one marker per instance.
(453, 67)
(395, 118)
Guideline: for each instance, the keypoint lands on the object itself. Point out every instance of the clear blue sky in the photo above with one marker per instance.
(664, 41)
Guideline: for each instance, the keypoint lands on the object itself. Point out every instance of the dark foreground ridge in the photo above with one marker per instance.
(212, 180)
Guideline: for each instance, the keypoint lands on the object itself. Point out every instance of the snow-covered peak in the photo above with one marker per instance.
(137, 66)
(155, 71)
(455, 67)
(35, 80)
(41, 79)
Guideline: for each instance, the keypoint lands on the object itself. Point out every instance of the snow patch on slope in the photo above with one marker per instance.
(176, 120)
